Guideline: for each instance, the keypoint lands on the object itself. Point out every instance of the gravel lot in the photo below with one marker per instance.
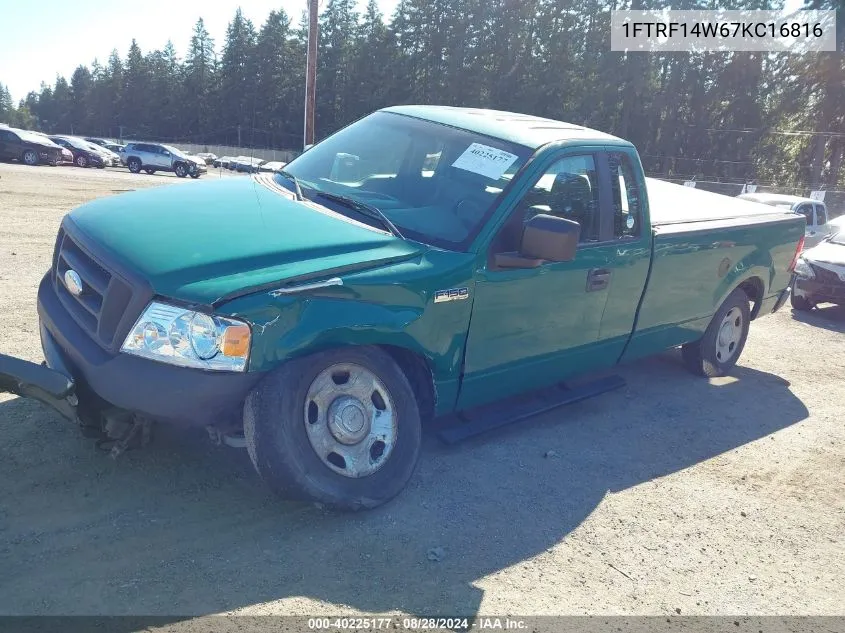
(672, 495)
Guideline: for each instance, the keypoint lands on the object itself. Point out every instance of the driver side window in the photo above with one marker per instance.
(568, 189)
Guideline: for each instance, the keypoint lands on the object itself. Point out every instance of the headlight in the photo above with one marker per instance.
(174, 335)
(803, 269)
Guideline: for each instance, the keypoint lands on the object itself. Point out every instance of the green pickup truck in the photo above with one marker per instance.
(423, 262)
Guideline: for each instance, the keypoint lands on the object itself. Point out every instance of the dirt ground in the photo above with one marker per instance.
(673, 495)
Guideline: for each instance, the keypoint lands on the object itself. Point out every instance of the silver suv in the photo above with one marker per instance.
(153, 157)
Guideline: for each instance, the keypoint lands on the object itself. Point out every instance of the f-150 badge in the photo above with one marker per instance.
(453, 294)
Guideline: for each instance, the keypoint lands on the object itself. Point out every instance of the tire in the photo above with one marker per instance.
(134, 165)
(81, 161)
(282, 449)
(30, 157)
(180, 169)
(716, 353)
(150, 171)
(801, 303)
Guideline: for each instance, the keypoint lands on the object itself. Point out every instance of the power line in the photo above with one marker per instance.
(701, 160)
(770, 132)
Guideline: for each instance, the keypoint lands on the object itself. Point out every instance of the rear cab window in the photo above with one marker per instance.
(626, 196)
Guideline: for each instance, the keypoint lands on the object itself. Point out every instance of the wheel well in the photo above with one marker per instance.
(754, 289)
(418, 373)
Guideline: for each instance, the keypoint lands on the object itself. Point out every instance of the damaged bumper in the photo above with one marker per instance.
(53, 387)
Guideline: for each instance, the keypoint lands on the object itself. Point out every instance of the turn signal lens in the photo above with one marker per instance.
(795, 257)
(236, 340)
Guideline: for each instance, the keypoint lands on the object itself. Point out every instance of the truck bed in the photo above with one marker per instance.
(705, 245)
(675, 204)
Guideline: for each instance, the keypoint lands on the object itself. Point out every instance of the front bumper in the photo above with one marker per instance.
(180, 395)
(820, 291)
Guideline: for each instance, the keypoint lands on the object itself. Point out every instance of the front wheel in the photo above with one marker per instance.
(340, 427)
(801, 303)
(181, 170)
(134, 165)
(716, 353)
(81, 161)
(30, 157)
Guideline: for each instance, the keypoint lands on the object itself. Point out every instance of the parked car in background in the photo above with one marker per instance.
(97, 141)
(814, 211)
(113, 157)
(271, 165)
(208, 157)
(85, 154)
(820, 274)
(67, 157)
(28, 147)
(248, 165)
(153, 157)
(223, 161)
(115, 147)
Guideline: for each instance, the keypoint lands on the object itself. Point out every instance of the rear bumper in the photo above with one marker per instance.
(184, 396)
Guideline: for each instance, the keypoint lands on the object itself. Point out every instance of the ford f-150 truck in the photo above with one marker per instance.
(422, 261)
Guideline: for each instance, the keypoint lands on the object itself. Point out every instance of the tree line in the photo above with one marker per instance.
(731, 117)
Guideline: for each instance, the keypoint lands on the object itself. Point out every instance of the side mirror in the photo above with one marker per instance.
(545, 238)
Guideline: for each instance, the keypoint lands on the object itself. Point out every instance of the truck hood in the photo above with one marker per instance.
(210, 241)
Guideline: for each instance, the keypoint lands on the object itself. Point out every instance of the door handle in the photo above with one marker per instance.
(598, 279)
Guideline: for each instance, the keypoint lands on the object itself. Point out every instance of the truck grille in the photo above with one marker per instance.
(104, 298)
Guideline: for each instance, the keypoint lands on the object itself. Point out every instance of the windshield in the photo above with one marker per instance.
(436, 183)
(174, 151)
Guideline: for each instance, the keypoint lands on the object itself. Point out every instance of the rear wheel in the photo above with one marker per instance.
(716, 353)
(341, 427)
(181, 170)
(801, 303)
(134, 165)
(30, 157)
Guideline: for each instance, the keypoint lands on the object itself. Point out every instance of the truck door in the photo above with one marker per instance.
(536, 326)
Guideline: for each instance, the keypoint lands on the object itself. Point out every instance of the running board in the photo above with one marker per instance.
(489, 417)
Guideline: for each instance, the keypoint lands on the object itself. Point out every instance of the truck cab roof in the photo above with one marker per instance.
(523, 129)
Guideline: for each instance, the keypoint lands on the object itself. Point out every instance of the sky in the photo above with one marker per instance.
(40, 39)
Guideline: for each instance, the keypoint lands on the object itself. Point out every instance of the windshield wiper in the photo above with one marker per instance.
(295, 181)
(364, 209)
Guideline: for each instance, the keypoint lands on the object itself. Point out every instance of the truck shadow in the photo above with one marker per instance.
(828, 316)
(187, 528)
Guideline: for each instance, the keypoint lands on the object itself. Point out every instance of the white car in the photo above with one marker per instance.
(814, 211)
(272, 165)
(820, 274)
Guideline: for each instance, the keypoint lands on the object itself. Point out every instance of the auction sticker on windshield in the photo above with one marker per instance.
(485, 160)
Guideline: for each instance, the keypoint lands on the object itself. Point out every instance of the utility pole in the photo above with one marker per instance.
(311, 74)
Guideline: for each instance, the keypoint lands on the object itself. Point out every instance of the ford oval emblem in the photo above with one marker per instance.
(73, 283)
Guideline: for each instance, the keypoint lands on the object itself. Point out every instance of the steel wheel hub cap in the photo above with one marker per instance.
(350, 420)
(730, 333)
